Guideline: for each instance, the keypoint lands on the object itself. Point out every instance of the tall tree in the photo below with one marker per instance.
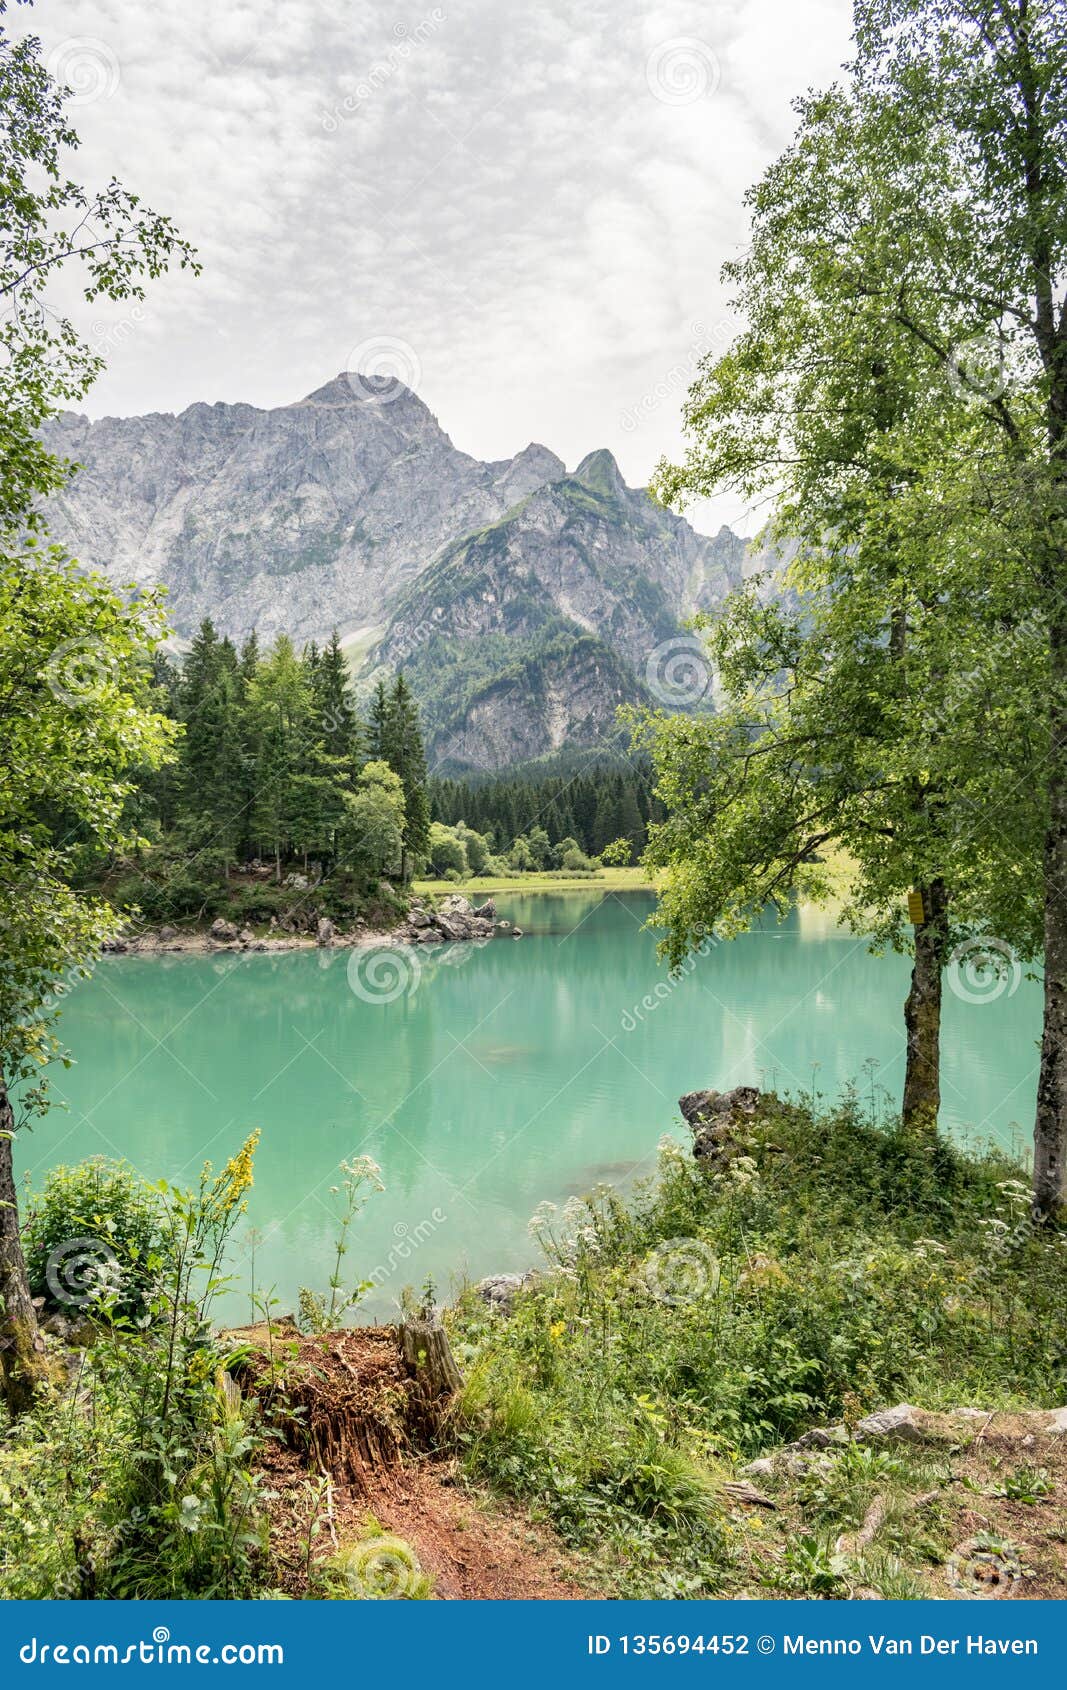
(279, 704)
(372, 827)
(844, 718)
(989, 78)
(68, 741)
(74, 730)
(211, 701)
(339, 725)
(395, 724)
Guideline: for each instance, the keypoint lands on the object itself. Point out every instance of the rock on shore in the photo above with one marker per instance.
(454, 918)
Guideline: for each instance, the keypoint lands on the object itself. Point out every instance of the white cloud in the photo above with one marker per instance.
(503, 190)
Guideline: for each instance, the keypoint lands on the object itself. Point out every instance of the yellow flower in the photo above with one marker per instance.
(236, 1176)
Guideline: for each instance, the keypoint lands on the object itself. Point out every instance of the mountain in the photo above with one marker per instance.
(523, 602)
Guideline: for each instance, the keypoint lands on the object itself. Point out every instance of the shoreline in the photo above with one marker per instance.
(524, 885)
(440, 912)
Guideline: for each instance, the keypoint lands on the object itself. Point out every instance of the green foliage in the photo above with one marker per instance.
(76, 729)
(379, 1568)
(448, 851)
(372, 832)
(272, 769)
(116, 1221)
(899, 391)
(521, 858)
(617, 853)
(833, 1266)
(572, 802)
(360, 1178)
(76, 718)
(136, 1480)
(1028, 1484)
(574, 861)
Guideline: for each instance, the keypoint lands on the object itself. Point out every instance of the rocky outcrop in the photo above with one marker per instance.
(717, 1120)
(1023, 1429)
(501, 1289)
(453, 919)
(577, 595)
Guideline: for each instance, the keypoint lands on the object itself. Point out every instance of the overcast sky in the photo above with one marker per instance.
(520, 210)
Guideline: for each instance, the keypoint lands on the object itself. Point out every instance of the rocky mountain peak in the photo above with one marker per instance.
(599, 472)
(521, 601)
(351, 388)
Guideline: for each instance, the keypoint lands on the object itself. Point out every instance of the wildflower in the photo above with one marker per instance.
(236, 1177)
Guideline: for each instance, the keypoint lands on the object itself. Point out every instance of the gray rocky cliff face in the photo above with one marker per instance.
(293, 520)
(523, 602)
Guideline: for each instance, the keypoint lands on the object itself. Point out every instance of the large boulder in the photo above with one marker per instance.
(456, 905)
(486, 911)
(715, 1119)
(453, 925)
(325, 930)
(224, 931)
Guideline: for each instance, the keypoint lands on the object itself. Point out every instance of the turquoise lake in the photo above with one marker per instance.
(500, 1076)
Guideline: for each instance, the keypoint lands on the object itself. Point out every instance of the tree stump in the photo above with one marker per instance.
(432, 1369)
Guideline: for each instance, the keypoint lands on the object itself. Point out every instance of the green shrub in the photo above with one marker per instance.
(831, 1267)
(97, 1231)
(139, 1480)
(575, 861)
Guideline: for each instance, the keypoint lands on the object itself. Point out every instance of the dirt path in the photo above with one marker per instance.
(347, 1477)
